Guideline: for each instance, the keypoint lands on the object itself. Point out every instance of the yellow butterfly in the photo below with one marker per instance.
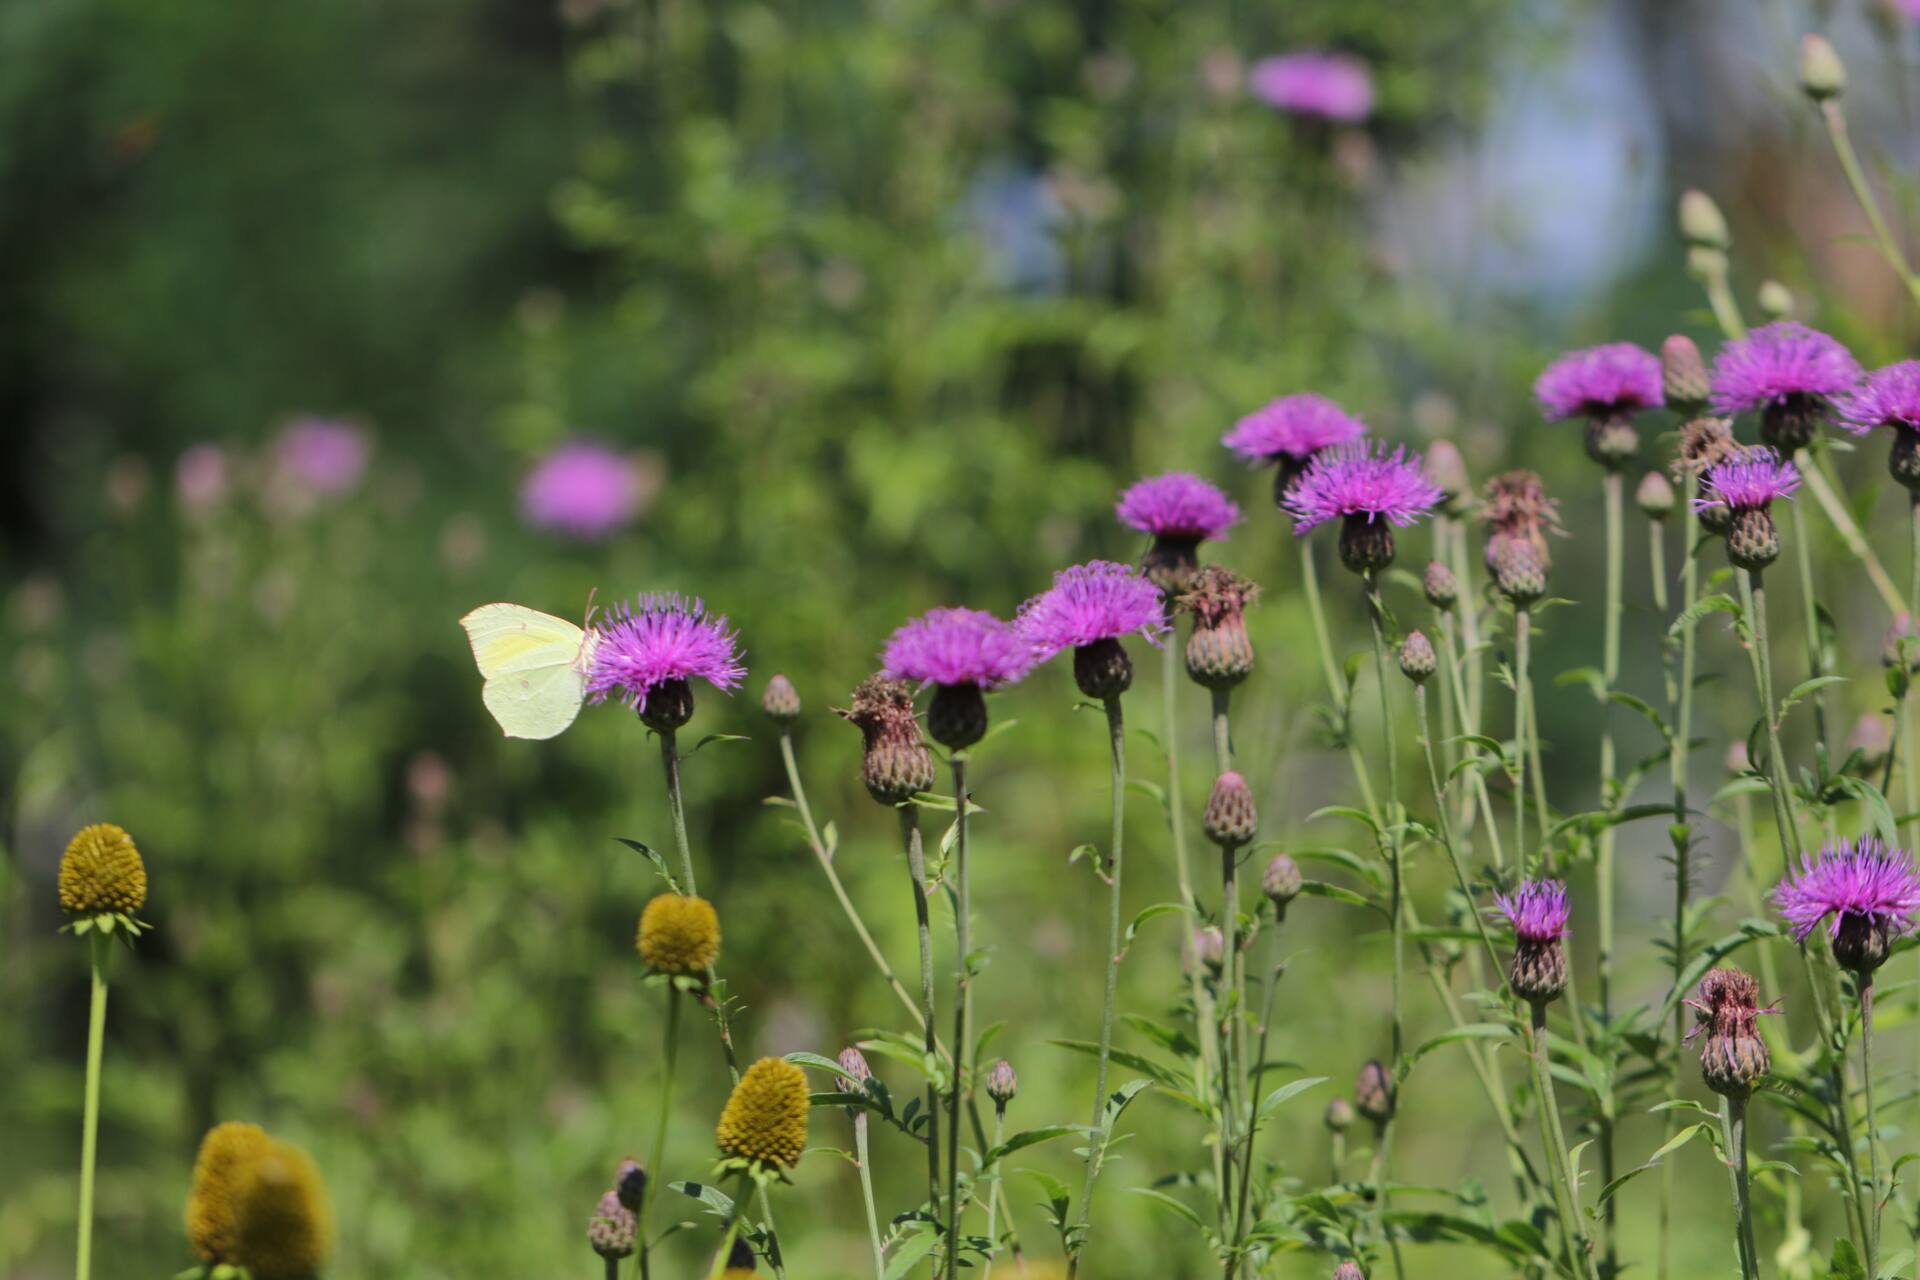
(535, 667)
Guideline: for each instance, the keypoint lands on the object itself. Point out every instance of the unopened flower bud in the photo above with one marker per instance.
(1447, 469)
(1737, 762)
(1727, 1009)
(781, 701)
(1440, 586)
(1002, 1084)
(897, 763)
(630, 1184)
(854, 1072)
(1683, 375)
(1373, 1092)
(1208, 946)
(1701, 221)
(1417, 660)
(1349, 1270)
(1872, 739)
(1655, 496)
(1518, 571)
(1753, 539)
(1230, 819)
(1281, 882)
(1822, 74)
(1775, 299)
(1338, 1116)
(611, 1229)
(1219, 652)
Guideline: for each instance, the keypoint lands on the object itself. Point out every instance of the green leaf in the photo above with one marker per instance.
(815, 1061)
(1472, 1031)
(1673, 1144)
(1804, 689)
(659, 863)
(1178, 1208)
(1119, 1099)
(1030, 1137)
(711, 1196)
(1153, 912)
(1172, 1077)
(1278, 1098)
(716, 737)
(1360, 816)
(1701, 608)
(1058, 1196)
(1321, 889)
(912, 1250)
(1846, 1262)
(1879, 812)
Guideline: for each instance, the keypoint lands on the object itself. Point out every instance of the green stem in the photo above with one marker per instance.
(1446, 826)
(993, 1201)
(656, 1160)
(825, 858)
(917, 867)
(731, 1232)
(1478, 777)
(962, 1004)
(1836, 123)
(1522, 690)
(1754, 598)
(774, 1256)
(1469, 628)
(1274, 974)
(1580, 1253)
(1097, 1142)
(1800, 536)
(1822, 486)
(670, 761)
(90, 1116)
(1875, 1160)
(1613, 488)
(1376, 612)
(1733, 1119)
(1677, 664)
(1310, 579)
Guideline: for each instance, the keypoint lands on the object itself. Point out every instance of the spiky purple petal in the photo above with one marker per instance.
(1861, 878)
(1307, 82)
(1750, 480)
(1177, 505)
(661, 637)
(957, 646)
(1618, 377)
(1537, 910)
(1355, 479)
(1890, 397)
(1777, 361)
(1090, 602)
(1296, 426)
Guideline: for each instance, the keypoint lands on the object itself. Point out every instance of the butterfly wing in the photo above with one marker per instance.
(534, 665)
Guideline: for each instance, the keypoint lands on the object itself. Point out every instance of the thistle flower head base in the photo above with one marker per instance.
(1538, 913)
(1102, 669)
(1219, 652)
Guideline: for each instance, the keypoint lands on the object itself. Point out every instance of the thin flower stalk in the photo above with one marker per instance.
(866, 1194)
(1677, 663)
(1452, 662)
(1376, 613)
(90, 1115)
(670, 763)
(1522, 725)
(1580, 1255)
(1613, 489)
(1462, 564)
(962, 1008)
(917, 868)
(1835, 122)
(1800, 534)
(1447, 842)
(1876, 1158)
(1276, 970)
(774, 1257)
(1733, 1121)
(657, 1159)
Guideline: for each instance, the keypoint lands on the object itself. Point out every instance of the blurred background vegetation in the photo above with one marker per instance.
(887, 299)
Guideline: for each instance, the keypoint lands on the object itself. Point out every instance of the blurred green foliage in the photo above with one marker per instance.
(896, 294)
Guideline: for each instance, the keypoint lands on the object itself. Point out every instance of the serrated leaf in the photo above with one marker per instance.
(1699, 609)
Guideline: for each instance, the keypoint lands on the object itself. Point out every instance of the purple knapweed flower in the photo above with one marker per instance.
(324, 457)
(1181, 511)
(1617, 378)
(1789, 373)
(1330, 86)
(963, 652)
(1864, 892)
(1087, 609)
(582, 490)
(1890, 397)
(1370, 489)
(1292, 429)
(1748, 481)
(646, 653)
(1538, 912)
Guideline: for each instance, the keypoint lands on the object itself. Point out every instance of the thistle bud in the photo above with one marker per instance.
(1373, 1092)
(1440, 586)
(1611, 439)
(1737, 762)
(611, 1229)
(1230, 819)
(1338, 1117)
(1655, 496)
(1727, 1010)
(1683, 375)
(1753, 539)
(1002, 1084)
(1822, 74)
(1208, 946)
(1102, 669)
(1518, 571)
(781, 701)
(1704, 444)
(854, 1072)
(1702, 223)
(1447, 469)
(1872, 739)
(1219, 652)
(1281, 883)
(1775, 299)
(1417, 660)
(1349, 1270)
(897, 763)
(1366, 544)
(630, 1184)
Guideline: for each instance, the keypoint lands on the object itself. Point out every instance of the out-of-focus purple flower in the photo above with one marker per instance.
(1749, 481)
(1890, 397)
(582, 490)
(1355, 480)
(324, 457)
(1864, 892)
(1177, 505)
(1537, 910)
(1088, 603)
(1292, 428)
(1777, 362)
(1617, 378)
(1331, 86)
(661, 639)
(200, 476)
(957, 646)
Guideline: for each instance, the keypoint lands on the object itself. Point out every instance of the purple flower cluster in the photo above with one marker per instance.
(1618, 377)
(1177, 505)
(661, 638)
(1890, 397)
(1090, 602)
(1862, 880)
(1329, 86)
(1537, 910)
(1749, 481)
(323, 457)
(1355, 480)
(1294, 428)
(1777, 362)
(955, 647)
(582, 490)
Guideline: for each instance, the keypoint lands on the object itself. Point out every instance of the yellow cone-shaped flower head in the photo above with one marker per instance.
(679, 934)
(226, 1156)
(766, 1116)
(101, 873)
(285, 1224)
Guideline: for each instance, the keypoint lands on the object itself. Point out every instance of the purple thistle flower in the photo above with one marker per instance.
(1292, 429)
(1307, 82)
(1618, 378)
(657, 645)
(1089, 603)
(582, 490)
(957, 646)
(1354, 479)
(323, 457)
(1177, 505)
(1865, 892)
(1537, 910)
(1890, 397)
(1777, 363)
(1749, 481)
